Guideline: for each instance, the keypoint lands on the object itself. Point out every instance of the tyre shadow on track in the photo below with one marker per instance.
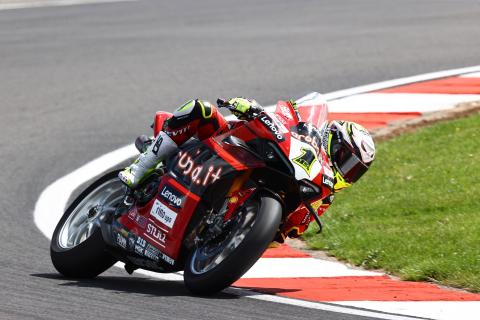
(140, 285)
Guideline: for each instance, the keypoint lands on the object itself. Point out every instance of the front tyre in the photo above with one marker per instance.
(215, 265)
(77, 248)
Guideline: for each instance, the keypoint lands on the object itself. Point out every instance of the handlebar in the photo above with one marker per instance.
(222, 103)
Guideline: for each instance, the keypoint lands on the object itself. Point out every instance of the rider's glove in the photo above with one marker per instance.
(243, 109)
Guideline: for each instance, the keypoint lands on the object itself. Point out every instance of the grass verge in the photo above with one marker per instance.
(416, 213)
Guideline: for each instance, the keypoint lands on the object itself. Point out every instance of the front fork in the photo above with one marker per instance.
(216, 222)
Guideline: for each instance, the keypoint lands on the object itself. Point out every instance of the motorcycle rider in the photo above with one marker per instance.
(349, 147)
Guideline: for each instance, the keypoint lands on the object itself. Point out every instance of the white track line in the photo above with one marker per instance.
(471, 75)
(53, 200)
(444, 310)
(399, 82)
(23, 4)
(332, 307)
(399, 102)
(310, 267)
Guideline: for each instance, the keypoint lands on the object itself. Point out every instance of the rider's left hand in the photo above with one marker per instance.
(242, 108)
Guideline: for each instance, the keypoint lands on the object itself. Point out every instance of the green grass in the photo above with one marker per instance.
(416, 213)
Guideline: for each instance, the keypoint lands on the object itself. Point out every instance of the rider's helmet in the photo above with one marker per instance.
(351, 150)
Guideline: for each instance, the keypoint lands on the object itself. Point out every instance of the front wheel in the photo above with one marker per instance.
(77, 248)
(218, 263)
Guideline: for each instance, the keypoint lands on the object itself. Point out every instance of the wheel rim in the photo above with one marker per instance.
(212, 254)
(86, 216)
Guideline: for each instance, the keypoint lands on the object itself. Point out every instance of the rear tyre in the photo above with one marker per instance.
(215, 265)
(77, 248)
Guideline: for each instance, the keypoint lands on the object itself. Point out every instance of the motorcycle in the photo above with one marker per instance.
(211, 210)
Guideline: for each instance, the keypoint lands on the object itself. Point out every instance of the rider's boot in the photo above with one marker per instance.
(161, 148)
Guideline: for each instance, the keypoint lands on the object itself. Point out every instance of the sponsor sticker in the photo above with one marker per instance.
(306, 159)
(270, 124)
(282, 120)
(151, 252)
(138, 249)
(139, 220)
(140, 245)
(158, 235)
(177, 132)
(121, 241)
(157, 145)
(308, 139)
(327, 181)
(286, 112)
(306, 218)
(278, 123)
(196, 172)
(167, 259)
(131, 241)
(163, 214)
(172, 196)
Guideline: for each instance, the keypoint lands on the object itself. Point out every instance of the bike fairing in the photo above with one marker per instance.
(196, 167)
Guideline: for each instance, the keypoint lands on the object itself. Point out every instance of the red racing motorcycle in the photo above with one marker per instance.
(211, 210)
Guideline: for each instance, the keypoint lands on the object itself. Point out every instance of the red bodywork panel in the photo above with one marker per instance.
(162, 222)
(159, 120)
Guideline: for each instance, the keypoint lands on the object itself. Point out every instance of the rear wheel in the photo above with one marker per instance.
(77, 248)
(218, 263)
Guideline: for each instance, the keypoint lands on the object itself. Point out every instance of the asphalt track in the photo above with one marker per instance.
(79, 81)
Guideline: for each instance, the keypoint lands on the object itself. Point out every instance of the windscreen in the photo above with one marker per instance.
(313, 109)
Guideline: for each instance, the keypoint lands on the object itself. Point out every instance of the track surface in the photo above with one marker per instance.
(79, 81)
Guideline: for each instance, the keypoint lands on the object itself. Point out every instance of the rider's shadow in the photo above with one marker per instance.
(132, 284)
(151, 286)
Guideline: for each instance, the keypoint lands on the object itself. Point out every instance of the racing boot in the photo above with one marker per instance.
(162, 148)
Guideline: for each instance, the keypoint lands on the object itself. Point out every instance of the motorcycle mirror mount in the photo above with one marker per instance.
(221, 102)
(315, 216)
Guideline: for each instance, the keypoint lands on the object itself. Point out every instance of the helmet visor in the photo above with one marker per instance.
(346, 161)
